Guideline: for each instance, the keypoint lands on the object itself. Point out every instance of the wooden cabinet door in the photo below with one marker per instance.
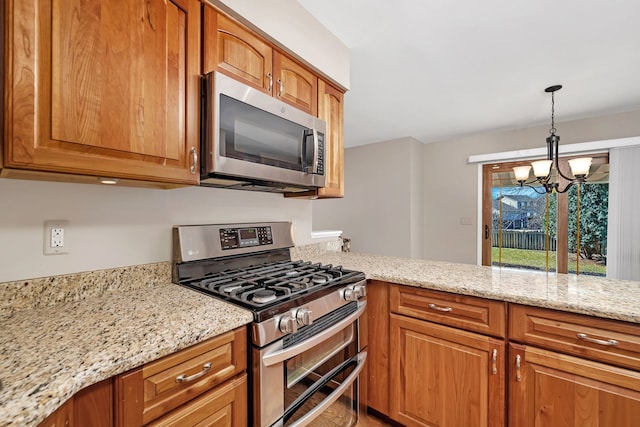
(104, 88)
(445, 377)
(62, 417)
(554, 390)
(295, 84)
(331, 110)
(93, 406)
(234, 50)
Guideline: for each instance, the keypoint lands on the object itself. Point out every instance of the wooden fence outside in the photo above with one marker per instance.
(523, 239)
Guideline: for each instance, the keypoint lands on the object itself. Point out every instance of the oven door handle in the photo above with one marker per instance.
(322, 406)
(282, 355)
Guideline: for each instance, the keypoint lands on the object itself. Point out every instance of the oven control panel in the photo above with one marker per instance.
(234, 238)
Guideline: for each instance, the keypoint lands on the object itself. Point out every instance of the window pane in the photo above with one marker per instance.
(523, 236)
(588, 204)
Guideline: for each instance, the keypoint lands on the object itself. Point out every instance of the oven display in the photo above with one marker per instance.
(234, 238)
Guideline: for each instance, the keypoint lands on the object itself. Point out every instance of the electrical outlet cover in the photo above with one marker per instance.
(56, 237)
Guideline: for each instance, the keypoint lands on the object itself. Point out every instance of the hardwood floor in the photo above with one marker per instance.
(372, 421)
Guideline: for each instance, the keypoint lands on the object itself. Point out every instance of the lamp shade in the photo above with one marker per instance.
(541, 168)
(521, 172)
(580, 167)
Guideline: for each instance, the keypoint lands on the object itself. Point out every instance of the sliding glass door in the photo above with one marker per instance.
(556, 232)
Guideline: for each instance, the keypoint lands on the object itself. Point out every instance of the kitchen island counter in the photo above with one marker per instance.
(48, 354)
(590, 295)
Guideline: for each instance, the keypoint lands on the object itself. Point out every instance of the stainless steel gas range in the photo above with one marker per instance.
(306, 350)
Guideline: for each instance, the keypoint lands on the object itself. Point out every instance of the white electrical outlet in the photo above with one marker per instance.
(56, 237)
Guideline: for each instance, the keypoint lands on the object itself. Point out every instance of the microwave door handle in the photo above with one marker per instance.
(305, 137)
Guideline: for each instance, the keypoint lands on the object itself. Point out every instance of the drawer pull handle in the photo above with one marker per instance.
(185, 379)
(281, 86)
(494, 361)
(518, 366)
(270, 77)
(194, 160)
(435, 307)
(585, 337)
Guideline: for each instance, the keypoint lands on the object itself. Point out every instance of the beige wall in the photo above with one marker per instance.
(118, 226)
(457, 196)
(449, 188)
(382, 207)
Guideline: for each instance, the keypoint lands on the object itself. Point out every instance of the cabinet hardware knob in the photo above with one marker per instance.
(494, 361)
(270, 77)
(445, 309)
(518, 366)
(185, 379)
(587, 338)
(281, 89)
(194, 160)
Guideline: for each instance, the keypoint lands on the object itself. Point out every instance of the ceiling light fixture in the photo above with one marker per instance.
(542, 169)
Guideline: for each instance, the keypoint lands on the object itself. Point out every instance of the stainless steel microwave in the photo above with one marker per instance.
(253, 141)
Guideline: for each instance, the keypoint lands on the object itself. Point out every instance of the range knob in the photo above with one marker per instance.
(304, 316)
(355, 292)
(288, 324)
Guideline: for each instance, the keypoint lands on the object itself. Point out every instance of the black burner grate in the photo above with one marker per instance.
(283, 280)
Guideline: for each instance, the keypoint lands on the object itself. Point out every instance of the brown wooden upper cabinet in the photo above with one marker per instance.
(231, 48)
(331, 110)
(103, 88)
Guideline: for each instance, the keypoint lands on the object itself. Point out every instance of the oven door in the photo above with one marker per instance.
(314, 380)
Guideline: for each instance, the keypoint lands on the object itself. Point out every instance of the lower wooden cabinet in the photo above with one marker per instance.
(441, 376)
(168, 386)
(552, 389)
(90, 407)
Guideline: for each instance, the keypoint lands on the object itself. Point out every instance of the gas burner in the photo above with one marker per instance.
(291, 273)
(264, 296)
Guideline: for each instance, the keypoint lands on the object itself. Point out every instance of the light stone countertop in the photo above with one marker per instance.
(591, 295)
(61, 334)
(47, 354)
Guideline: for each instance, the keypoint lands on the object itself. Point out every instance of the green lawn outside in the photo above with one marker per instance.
(537, 260)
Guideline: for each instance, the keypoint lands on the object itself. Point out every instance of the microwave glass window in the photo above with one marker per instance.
(250, 134)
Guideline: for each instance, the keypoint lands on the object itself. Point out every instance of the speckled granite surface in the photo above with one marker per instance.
(47, 291)
(608, 298)
(49, 353)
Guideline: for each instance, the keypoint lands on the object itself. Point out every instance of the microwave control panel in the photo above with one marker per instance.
(234, 238)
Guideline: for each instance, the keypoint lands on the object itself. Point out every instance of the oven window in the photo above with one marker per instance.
(254, 135)
(341, 413)
(313, 375)
(314, 363)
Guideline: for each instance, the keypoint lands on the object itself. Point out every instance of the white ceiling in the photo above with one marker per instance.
(440, 69)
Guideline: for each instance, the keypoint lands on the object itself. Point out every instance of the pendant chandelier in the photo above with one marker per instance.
(542, 169)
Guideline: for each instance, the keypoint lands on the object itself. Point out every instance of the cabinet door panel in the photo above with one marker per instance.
(331, 110)
(444, 377)
(295, 84)
(111, 88)
(558, 390)
(234, 50)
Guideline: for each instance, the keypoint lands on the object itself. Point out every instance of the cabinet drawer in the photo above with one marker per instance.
(226, 405)
(598, 339)
(151, 391)
(470, 313)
